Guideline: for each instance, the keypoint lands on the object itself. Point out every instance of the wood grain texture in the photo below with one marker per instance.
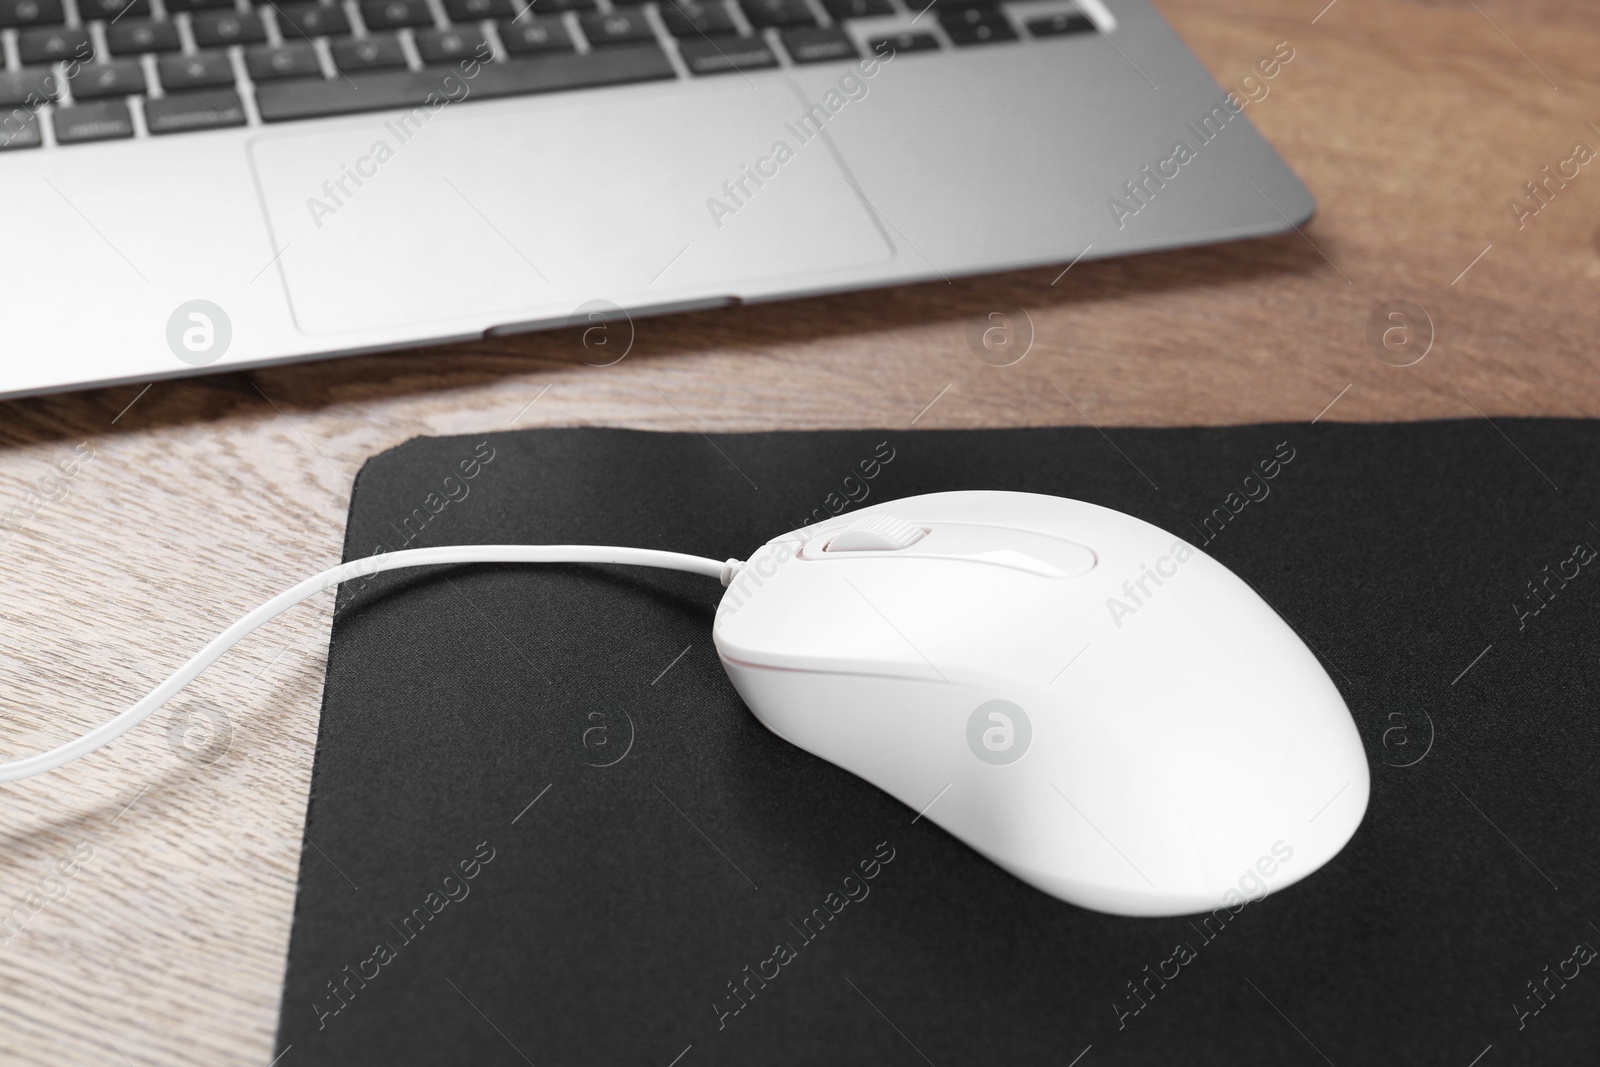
(1414, 123)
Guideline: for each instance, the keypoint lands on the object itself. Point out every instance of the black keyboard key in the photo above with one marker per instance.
(970, 15)
(45, 46)
(439, 47)
(551, 7)
(478, 10)
(30, 87)
(535, 35)
(1057, 25)
(292, 59)
(312, 20)
(218, 29)
(120, 77)
(817, 44)
(857, 9)
(134, 36)
(30, 13)
(975, 25)
(619, 27)
(20, 129)
(199, 71)
(108, 10)
(894, 44)
(692, 18)
(383, 90)
(209, 109)
(378, 52)
(102, 120)
(392, 14)
(726, 54)
(174, 6)
(764, 13)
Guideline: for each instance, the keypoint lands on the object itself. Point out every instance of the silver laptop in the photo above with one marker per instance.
(202, 185)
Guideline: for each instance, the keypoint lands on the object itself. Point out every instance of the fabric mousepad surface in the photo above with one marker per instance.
(543, 828)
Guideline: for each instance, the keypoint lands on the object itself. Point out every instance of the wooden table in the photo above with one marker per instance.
(1414, 123)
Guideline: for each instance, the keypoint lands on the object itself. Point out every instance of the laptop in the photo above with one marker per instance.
(205, 185)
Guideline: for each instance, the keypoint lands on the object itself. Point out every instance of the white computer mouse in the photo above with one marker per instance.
(1087, 700)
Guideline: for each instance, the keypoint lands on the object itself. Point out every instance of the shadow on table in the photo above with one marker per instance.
(310, 386)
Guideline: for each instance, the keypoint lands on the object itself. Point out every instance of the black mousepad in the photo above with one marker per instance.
(544, 829)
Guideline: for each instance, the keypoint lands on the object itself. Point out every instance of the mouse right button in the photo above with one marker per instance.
(1037, 553)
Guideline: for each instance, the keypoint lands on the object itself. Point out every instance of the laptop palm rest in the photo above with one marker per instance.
(523, 210)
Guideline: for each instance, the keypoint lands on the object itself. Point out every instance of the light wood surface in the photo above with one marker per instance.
(1413, 122)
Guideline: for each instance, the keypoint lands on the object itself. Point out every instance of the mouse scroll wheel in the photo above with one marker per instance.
(881, 533)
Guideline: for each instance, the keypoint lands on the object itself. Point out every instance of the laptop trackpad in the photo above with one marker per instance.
(522, 210)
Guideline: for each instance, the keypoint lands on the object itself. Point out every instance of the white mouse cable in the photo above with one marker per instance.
(414, 557)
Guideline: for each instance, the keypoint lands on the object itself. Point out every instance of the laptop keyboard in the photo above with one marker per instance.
(78, 71)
